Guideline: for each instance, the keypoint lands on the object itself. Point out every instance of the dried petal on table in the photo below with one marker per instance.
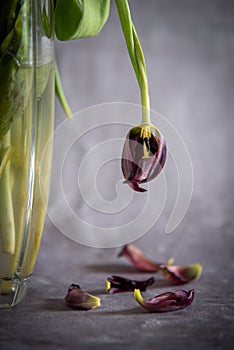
(76, 298)
(169, 301)
(181, 274)
(118, 284)
(136, 257)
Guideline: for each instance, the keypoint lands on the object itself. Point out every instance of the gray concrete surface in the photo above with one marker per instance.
(189, 48)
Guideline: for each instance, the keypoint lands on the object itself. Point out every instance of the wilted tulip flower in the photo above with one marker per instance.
(144, 155)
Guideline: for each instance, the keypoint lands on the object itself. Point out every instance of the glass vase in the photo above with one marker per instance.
(26, 123)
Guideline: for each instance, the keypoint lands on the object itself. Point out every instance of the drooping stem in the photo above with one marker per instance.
(136, 56)
(7, 223)
(60, 93)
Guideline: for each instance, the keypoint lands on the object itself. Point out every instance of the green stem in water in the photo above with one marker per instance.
(5, 156)
(7, 223)
(136, 56)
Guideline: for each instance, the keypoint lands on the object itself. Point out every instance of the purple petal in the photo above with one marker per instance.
(162, 155)
(144, 155)
(117, 284)
(169, 301)
(137, 258)
(134, 185)
(177, 274)
(181, 274)
(76, 298)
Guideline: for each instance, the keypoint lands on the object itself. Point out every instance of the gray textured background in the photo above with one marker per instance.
(189, 49)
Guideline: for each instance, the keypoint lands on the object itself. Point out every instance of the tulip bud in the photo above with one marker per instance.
(144, 155)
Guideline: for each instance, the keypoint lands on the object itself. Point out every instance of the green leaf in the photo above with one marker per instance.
(16, 81)
(79, 19)
(15, 89)
(9, 11)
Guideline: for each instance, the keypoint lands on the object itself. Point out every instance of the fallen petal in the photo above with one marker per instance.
(137, 258)
(181, 274)
(169, 301)
(175, 273)
(76, 298)
(117, 284)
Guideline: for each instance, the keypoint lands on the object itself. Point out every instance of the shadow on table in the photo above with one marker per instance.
(58, 305)
(134, 311)
(112, 268)
(54, 304)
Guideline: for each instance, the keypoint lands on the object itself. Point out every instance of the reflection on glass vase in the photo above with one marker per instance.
(26, 123)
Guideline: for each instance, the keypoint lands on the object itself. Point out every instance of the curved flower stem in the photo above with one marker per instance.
(136, 56)
(60, 93)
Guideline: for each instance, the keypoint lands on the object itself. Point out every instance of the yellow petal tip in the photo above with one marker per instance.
(108, 286)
